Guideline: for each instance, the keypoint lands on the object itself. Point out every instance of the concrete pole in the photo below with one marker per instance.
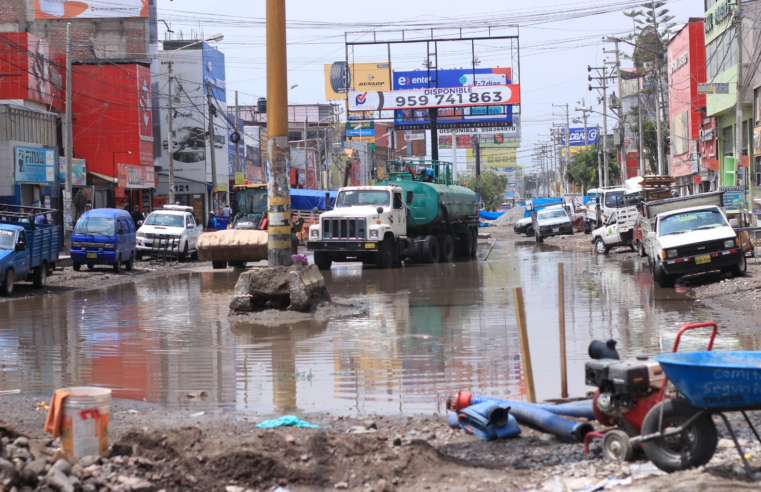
(604, 126)
(278, 186)
(68, 220)
(212, 150)
(454, 155)
(306, 159)
(568, 142)
(642, 167)
(739, 105)
(169, 138)
(599, 167)
(237, 145)
(658, 121)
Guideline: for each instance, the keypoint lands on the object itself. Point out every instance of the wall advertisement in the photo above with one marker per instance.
(89, 9)
(78, 171)
(342, 77)
(486, 140)
(493, 158)
(32, 165)
(136, 177)
(577, 136)
(145, 115)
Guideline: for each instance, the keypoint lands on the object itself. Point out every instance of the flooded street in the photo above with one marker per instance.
(431, 330)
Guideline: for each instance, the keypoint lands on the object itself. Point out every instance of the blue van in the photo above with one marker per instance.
(104, 236)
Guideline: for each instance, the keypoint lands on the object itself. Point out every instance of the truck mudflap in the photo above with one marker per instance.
(701, 263)
(343, 246)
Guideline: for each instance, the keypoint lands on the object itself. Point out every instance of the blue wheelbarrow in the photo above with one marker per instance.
(679, 433)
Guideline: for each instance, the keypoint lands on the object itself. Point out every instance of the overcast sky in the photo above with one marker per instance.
(558, 40)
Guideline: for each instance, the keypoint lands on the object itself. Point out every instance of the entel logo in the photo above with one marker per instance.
(403, 81)
(417, 80)
(361, 98)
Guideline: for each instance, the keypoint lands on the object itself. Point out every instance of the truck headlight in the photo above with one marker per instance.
(671, 253)
(373, 234)
(109, 246)
(729, 243)
(315, 234)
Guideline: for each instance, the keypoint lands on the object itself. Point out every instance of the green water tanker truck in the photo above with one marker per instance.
(416, 214)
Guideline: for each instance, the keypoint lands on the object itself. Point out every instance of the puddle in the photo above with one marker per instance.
(431, 330)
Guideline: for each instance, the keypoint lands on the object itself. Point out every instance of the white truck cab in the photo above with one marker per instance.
(176, 221)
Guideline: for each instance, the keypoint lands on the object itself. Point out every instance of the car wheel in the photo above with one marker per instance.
(600, 247)
(6, 288)
(323, 260)
(118, 265)
(184, 255)
(40, 277)
(130, 263)
(739, 269)
(641, 249)
(530, 231)
(430, 252)
(76, 266)
(664, 280)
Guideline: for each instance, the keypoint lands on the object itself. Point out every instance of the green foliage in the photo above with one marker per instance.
(490, 186)
(650, 138)
(583, 170)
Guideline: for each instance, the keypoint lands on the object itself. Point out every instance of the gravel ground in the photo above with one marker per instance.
(156, 448)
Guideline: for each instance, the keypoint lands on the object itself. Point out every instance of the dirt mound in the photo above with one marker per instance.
(510, 217)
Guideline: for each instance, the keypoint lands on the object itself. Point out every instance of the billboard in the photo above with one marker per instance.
(33, 165)
(577, 136)
(25, 62)
(78, 169)
(360, 129)
(493, 158)
(342, 77)
(145, 115)
(465, 140)
(89, 9)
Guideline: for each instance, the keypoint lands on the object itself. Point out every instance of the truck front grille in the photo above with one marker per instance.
(701, 249)
(338, 229)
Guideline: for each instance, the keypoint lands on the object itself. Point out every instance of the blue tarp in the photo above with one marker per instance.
(587, 198)
(540, 203)
(309, 199)
(490, 215)
(509, 195)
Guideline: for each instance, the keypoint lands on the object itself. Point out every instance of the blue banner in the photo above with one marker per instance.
(35, 165)
(577, 136)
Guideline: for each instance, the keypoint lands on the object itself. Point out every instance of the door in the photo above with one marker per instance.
(193, 231)
(22, 261)
(610, 232)
(398, 215)
(121, 239)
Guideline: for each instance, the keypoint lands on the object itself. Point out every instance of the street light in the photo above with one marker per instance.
(170, 115)
(116, 171)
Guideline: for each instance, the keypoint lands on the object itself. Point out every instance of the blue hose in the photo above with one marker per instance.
(577, 409)
(537, 416)
(487, 421)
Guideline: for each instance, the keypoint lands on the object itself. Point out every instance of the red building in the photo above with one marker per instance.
(686, 69)
(113, 129)
(28, 73)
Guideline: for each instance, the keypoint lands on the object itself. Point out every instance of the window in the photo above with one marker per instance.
(757, 107)
(680, 134)
(95, 226)
(729, 144)
(721, 54)
(119, 227)
(398, 201)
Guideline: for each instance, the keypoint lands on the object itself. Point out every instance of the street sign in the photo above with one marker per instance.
(414, 136)
(435, 98)
(713, 88)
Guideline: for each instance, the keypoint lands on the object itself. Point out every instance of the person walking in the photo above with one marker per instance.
(227, 211)
(137, 216)
(212, 221)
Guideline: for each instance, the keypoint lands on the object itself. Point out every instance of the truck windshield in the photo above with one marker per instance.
(612, 198)
(550, 214)
(95, 226)
(691, 221)
(375, 198)
(6, 240)
(252, 202)
(165, 220)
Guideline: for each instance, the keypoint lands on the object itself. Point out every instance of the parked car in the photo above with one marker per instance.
(611, 235)
(524, 226)
(552, 221)
(176, 221)
(104, 236)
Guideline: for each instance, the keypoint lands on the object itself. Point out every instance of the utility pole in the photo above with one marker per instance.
(642, 167)
(604, 87)
(170, 131)
(306, 160)
(212, 151)
(568, 141)
(658, 118)
(278, 186)
(454, 156)
(237, 144)
(599, 166)
(621, 115)
(739, 105)
(68, 220)
(477, 148)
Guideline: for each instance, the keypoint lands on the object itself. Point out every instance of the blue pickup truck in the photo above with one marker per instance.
(28, 250)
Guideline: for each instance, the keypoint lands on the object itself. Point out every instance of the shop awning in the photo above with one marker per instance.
(104, 177)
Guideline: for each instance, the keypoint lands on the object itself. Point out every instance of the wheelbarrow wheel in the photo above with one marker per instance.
(617, 447)
(691, 448)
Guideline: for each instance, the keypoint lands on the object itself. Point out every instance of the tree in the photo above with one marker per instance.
(583, 171)
(649, 140)
(490, 186)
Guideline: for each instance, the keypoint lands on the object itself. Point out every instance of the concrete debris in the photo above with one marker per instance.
(295, 288)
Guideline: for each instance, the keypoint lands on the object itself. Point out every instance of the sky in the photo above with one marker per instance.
(558, 40)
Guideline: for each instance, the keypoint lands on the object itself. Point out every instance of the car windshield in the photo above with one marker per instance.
(6, 240)
(375, 198)
(611, 199)
(551, 214)
(252, 201)
(165, 220)
(691, 221)
(95, 226)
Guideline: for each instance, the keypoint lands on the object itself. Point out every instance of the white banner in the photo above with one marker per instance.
(435, 98)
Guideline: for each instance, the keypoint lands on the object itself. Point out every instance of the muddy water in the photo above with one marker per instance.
(431, 330)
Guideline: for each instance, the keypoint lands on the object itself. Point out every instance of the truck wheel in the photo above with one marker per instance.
(139, 256)
(40, 276)
(446, 243)
(76, 266)
(530, 231)
(641, 249)
(384, 258)
(466, 245)
(664, 280)
(693, 447)
(219, 265)
(473, 242)
(118, 264)
(600, 247)
(430, 252)
(130, 263)
(323, 260)
(7, 288)
(632, 246)
(184, 255)
(741, 267)
(587, 227)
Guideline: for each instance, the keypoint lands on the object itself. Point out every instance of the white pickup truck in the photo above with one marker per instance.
(682, 241)
(599, 211)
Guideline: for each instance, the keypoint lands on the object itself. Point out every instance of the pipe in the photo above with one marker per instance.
(581, 409)
(487, 421)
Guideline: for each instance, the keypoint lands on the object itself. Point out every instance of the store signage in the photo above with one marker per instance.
(435, 98)
(678, 62)
(78, 169)
(33, 165)
(577, 136)
(136, 177)
(408, 137)
(713, 88)
(360, 129)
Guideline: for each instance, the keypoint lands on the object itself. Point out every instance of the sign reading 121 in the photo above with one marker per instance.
(435, 98)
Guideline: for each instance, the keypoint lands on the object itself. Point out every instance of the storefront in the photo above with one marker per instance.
(35, 177)
(135, 188)
(186, 192)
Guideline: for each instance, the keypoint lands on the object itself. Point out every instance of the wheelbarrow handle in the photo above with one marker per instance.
(691, 326)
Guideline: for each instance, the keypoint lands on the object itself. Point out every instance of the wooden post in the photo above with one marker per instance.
(561, 305)
(520, 314)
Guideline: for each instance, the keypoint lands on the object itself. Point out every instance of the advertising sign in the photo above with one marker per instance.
(435, 98)
(423, 79)
(78, 171)
(89, 9)
(34, 165)
(360, 129)
(486, 140)
(409, 137)
(713, 88)
(145, 115)
(733, 201)
(577, 136)
(252, 146)
(494, 158)
(135, 177)
(342, 77)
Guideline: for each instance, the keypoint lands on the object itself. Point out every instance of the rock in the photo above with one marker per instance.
(304, 457)
(726, 443)
(430, 436)
(546, 437)
(384, 486)
(61, 465)
(234, 488)
(21, 442)
(120, 450)
(241, 302)
(370, 424)
(290, 439)
(74, 481)
(136, 484)
(307, 287)
(268, 288)
(89, 460)
(554, 485)
(58, 480)
(7, 471)
(578, 483)
(412, 432)
(397, 441)
(341, 486)
(33, 470)
(89, 487)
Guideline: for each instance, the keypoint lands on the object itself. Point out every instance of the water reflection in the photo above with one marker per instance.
(430, 330)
